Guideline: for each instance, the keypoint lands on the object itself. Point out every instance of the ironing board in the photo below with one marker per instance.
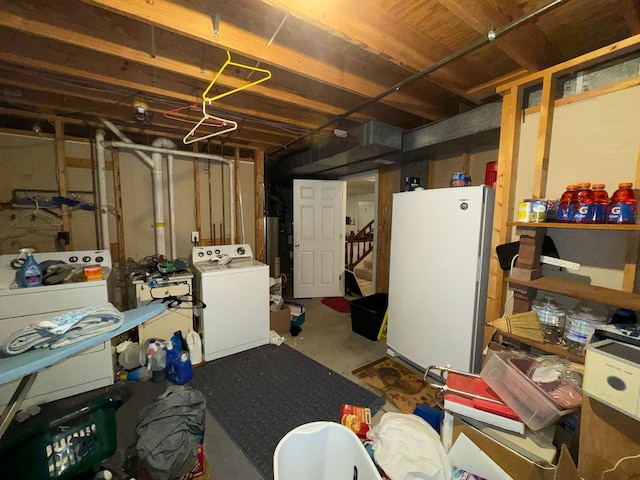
(27, 365)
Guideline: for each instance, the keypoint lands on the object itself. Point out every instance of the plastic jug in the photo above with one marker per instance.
(583, 206)
(601, 203)
(179, 370)
(29, 274)
(565, 208)
(622, 208)
(158, 365)
(194, 344)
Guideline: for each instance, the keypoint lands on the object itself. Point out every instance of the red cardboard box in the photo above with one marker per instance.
(358, 419)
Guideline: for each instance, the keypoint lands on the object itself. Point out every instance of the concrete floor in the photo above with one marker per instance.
(326, 337)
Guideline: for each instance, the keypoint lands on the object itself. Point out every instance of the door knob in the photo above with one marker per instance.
(297, 245)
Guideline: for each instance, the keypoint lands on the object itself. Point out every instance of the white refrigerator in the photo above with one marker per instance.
(440, 248)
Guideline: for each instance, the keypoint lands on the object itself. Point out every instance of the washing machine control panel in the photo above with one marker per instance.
(77, 258)
(220, 252)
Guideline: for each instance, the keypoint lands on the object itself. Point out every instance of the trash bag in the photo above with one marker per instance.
(170, 430)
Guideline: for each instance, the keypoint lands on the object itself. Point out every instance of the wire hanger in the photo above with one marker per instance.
(178, 115)
(237, 89)
(28, 220)
(227, 126)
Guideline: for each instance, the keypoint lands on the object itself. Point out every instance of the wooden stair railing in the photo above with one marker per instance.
(358, 246)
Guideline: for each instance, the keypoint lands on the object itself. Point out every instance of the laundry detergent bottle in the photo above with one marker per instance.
(29, 274)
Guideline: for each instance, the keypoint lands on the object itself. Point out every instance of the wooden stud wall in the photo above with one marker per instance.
(508, 157)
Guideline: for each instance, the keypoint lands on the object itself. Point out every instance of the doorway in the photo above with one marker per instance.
(362, 211)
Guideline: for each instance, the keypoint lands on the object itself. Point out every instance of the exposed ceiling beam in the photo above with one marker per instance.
(102, 101)
(64, 35)
(131, 86)
(14, 112)
(62, 110)
(630, 10)
(528, 46)
(199, 26)
(403, 44)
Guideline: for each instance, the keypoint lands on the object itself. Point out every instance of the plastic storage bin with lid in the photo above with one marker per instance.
(512, 375)
(552, 319)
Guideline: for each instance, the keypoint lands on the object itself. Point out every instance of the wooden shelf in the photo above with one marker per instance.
(545, 347)
(577, 226)
(606, 296)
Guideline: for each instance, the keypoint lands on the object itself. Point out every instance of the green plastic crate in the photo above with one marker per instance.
(64, 447)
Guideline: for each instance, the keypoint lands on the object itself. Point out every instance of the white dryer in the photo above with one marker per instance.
(24, 306)
(235, 290)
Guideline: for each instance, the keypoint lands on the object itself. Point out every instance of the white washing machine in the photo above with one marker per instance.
(23, 306)
(235, 290)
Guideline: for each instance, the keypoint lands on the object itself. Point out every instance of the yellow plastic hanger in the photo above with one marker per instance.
(237, 89)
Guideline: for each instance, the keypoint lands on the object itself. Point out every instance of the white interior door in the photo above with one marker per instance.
(319, 210)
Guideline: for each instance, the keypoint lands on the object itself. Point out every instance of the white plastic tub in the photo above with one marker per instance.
(322, 451)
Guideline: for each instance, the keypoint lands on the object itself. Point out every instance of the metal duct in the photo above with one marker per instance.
(368, 141)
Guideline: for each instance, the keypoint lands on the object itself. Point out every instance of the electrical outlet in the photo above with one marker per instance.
(195, 237)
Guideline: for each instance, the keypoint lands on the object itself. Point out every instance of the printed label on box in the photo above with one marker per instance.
(357, 419)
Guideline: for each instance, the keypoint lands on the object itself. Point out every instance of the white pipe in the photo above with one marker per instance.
(158, 204)
(145, 158)
(102, 191)
(172, 208)
(207, 156)
(158, 197)
(232, 199)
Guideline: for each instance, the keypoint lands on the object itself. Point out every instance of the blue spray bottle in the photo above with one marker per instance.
(29, 274)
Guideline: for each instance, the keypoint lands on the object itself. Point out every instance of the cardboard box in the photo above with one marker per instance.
(514, 465)
(357, 419)
(606, 436)
(280, 321)
(275, 302)
(275, 286)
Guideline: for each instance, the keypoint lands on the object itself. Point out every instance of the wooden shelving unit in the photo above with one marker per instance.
(584, 291)
(577, 226)
(545, 347)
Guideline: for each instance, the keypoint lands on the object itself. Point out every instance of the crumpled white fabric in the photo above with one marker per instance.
(406, 447)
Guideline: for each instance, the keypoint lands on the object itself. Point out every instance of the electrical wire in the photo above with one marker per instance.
(629, 457)
(511, 294)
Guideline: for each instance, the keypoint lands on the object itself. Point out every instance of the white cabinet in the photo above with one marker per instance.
(176, 291)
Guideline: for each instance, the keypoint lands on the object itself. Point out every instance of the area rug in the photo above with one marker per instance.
(399, 384)
(339, 304)
(259, 395)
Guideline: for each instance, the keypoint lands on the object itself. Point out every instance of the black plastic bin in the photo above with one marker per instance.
(367, 314)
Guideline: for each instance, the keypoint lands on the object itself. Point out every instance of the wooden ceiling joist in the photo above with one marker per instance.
(66, 36)
(527, 45)
(199, 26)
(371, 32)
